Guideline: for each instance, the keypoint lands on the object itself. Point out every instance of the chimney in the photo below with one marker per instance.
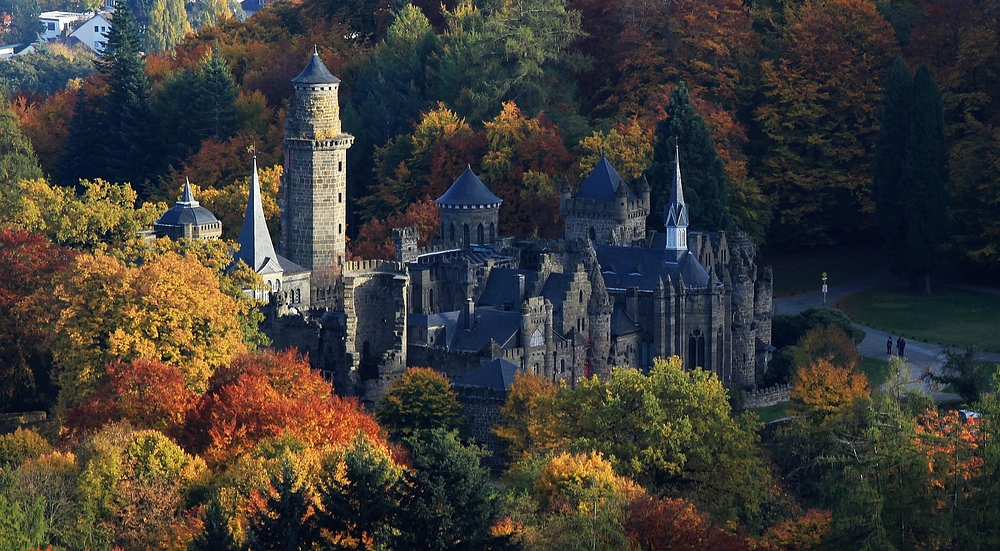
(470, 313)
(518, 290)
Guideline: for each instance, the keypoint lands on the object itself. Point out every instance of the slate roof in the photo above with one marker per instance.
(624, 267)
(468, 190)
(602, 183)
(289, 267)
(622, 323)
(555, 288)
(315, 72)
(186, 211)
(256, 248)
(498, 375)
(502, 326)
(499, 289)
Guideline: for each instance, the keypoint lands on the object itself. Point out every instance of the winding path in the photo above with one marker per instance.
(920, 356)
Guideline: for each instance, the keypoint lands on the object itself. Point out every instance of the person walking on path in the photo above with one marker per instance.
(902, 347)
(899, 346)
(888, 346)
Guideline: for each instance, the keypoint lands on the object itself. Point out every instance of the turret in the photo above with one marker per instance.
(621, 203)
(642, 186)
(469, 211)
(565, 194)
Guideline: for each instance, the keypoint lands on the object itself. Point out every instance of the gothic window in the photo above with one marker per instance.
(562, 366)
(593, 235)
(537, 339)
(696, 349)
(481, 234)
(430, 301)
(465, 234)
(451, 232)
(493, 232)
(581, 296)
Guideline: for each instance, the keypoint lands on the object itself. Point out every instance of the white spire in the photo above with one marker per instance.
(676, 212)
(187, 198)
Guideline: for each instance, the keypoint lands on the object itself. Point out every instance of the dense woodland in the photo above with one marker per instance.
(174, 426)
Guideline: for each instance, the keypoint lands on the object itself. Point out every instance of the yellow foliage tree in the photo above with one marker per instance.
(628, 147)
(529, 421)
(823, 388)
(171, 309)
(229, 203)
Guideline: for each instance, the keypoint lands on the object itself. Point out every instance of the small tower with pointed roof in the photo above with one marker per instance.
(314, 185)
(188, 219)
(604, 208)
(676, 214)
(469, 212)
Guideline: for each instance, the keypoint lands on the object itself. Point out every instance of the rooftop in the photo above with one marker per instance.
(315, 72)
(468, 190)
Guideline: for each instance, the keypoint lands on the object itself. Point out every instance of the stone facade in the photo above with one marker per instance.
(619, 219)
(473, 225)
(313, 196)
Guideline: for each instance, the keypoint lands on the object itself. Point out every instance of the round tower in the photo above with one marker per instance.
(314, 185)
(469, 212)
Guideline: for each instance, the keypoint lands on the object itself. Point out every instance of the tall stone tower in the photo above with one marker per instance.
(314, 185)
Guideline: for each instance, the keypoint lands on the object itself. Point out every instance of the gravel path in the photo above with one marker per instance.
(920, 357)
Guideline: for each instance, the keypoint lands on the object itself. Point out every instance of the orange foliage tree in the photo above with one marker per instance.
(375, 236)
(805, 532)
(667, 524)
(269, 395)
(148, 394)
(953, 457)
(823, 388)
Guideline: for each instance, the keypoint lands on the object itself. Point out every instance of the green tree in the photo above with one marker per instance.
(703, 173)
(216, 95)
(284, 517)
(927, 222)
(17, 157)
(48, 69)
(22, 526)
(24, 26)
(889, 184)
(419, 401)
(357, 496)
(445, 498)
(217, 536)
(168, 24)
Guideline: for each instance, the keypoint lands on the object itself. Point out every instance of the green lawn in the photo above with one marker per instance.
(876, 370)
(801, 272)
(949, 317)
(771, 413)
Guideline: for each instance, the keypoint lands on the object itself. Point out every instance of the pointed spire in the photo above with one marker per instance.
(677, 191)
(187, 198)
(676, 213)
(256, 248)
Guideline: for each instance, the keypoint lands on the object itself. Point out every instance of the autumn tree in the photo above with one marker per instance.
(25, 373)
(819, 117)
(629, 148)
(529, 424)
(822, 388)
(168, 23)
(419, 401)
(666, 523)
(17, 158)
(170, 309)
(704, 175)
(283, 516)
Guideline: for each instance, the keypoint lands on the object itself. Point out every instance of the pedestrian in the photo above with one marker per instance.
(902, 347)
(888, 346)
(899, 346)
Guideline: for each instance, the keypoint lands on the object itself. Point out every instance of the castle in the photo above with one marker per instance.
(608, 294)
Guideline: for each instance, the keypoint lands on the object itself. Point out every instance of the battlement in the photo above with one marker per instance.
(352, 267)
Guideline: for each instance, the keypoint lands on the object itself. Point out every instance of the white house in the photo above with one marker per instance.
(55, 23)
(94, 33)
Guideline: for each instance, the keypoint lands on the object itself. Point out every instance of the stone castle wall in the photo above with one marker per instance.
(767, 397)
(459, 218)
(375, 307)
(481, 410)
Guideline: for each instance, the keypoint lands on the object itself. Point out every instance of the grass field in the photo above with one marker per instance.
(771, 413)
(949, 317)
(801, 272)
(876, 370)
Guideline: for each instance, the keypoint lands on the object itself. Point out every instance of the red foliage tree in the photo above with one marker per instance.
(267, 395)
(148, 394)
(666, 524)
(375, 236)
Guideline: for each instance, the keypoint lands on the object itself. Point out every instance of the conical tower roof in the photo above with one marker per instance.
(676, 211)
(315, 72)
(256, 248)
(468, 190)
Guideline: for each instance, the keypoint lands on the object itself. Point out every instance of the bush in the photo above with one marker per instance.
(21, 446)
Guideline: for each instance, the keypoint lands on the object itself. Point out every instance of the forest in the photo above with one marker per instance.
(173, 425)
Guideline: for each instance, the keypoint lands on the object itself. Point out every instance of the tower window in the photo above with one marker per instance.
(340, 197)
(340, 166)
(340, 228)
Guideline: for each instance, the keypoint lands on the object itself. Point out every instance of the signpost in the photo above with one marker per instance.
(824, 288)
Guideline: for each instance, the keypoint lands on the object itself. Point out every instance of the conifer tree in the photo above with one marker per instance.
(888, 178)
(24, 25)
(927, 222)
(215, 108)
(217, 535)
(285, 519)
(704, 174)
(17, 157)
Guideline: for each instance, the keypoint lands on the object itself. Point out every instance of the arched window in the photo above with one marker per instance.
(451, 232)
(537, 339)
(465, 234)
(481, 234)
(562, 366)
(696, 349)
(581, 296)
(430, 301)
(593, 235)
(493, 232)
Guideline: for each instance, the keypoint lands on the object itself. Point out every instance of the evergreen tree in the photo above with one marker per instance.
(17, 158)
(445, 498)
(927, 222)
(24, 26)
(217, 535)
(215, 98)
(704, 174)
(285, 518)
(888, 175)
(110, 134)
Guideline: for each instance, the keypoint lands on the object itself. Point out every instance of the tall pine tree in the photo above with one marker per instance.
(17, 158)
(704, 174)
(910, 171)
(215, 100)
(927, 221)
(111, 133)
